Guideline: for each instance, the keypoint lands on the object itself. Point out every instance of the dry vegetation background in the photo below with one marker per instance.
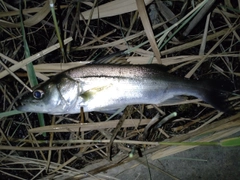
(195, 39)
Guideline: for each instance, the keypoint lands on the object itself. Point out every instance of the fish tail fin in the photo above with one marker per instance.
(216, 94)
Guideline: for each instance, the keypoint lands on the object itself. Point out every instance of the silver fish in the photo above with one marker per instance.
(105, 88)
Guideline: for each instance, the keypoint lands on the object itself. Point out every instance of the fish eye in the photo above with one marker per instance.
(38, 94)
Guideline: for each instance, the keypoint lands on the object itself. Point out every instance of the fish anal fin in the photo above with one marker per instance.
(174, 100)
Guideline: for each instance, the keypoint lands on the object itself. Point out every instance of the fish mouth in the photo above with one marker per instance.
(25, 106)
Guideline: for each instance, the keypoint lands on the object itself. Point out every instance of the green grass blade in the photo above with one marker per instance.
(30, 70)
(51, 3)
(230, 142)
(190, 143)
(9, 113)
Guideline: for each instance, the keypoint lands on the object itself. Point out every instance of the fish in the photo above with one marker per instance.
(104, 88)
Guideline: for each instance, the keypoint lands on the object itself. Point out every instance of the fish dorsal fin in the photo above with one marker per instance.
(114, 58)
(157, 67)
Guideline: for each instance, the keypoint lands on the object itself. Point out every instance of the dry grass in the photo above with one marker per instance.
(191, 41)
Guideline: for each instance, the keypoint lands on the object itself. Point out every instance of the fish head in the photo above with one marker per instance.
(55, 96)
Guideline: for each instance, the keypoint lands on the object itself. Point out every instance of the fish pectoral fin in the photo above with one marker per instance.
(174, 100)
(91, 92)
